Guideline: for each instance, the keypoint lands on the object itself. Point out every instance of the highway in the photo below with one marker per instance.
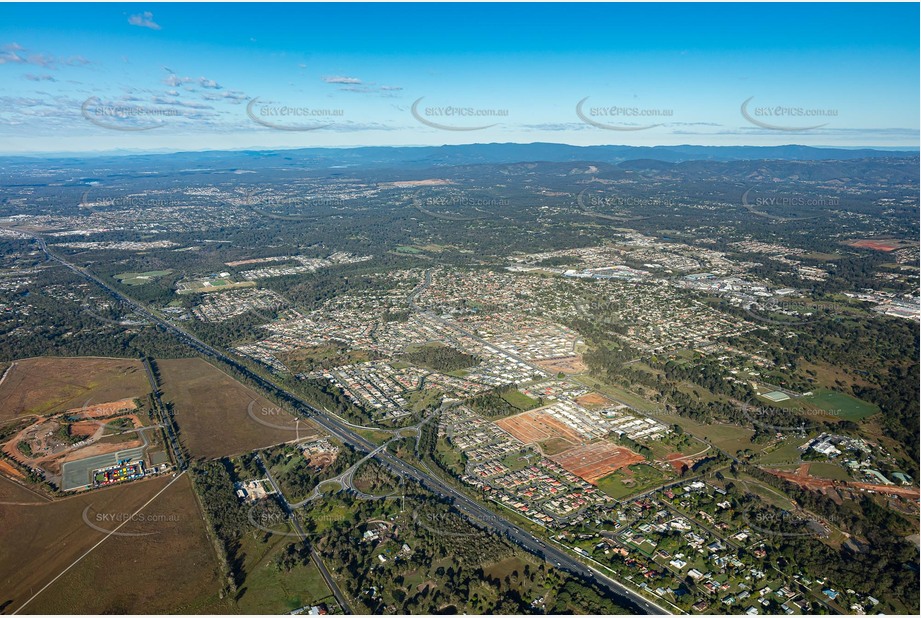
(466, 505)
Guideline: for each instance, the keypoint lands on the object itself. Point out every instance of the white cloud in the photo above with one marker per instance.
(174, 80)
(11, 57)
(339, 79)
(144, 20)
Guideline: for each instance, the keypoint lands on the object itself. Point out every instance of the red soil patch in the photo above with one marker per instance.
(825, 484)
(566, 364)
(84, 428)
(536, 426)
(678, 462)
(593, 401)
(10, 470)
(876, 245)
(594, 461)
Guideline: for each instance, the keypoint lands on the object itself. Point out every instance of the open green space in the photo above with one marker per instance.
(632, 480)
(141, 278)
(519, 400)
(826, 470)
(618, 393)
(842, 406)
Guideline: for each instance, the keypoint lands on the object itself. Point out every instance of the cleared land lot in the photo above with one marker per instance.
(172, 568)
(537, 426)
(218, 416)
(594, 461)
(49, 385)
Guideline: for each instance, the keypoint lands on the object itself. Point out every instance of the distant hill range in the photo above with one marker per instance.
(470, 154)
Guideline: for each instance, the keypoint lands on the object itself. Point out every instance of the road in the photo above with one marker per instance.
(469, 507)
(296, 524)
(166, 423)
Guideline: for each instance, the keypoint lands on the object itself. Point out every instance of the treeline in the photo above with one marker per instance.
(441, 358)
(227, 521)
(491, 403)
(882, 353)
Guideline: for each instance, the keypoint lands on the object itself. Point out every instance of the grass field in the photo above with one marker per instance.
(213, 285)
(126, 574)
(131, 574)
(786, 452)
(49, 385)
(731, 438)
(269, 590)
(628, 482)
(218, 416)
(141, 278)
(519, 400)
(842, 406)
(824, 470)
(770, 495)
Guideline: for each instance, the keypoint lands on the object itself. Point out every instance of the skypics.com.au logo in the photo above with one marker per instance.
(126, 117)
(452, 117)
(777, 117)
(291, 118)
(602, 117)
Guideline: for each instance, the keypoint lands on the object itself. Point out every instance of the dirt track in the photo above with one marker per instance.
(822, 484)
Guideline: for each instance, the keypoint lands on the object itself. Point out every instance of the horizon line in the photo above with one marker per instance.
(118, 152)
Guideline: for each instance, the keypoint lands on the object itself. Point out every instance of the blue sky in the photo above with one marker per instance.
(154, 77)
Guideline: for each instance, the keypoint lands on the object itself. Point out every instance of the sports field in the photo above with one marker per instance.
(842, 406)
(141, 278)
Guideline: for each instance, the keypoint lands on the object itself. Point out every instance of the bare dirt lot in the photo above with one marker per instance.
(218, 416)
(49, 385)
(103, 410)
(536, 426)
(567, 364)
(53, 440)
(877, 245)
(594, 461)
(594, 401)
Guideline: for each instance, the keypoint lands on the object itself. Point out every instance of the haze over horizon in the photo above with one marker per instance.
(139, 78)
